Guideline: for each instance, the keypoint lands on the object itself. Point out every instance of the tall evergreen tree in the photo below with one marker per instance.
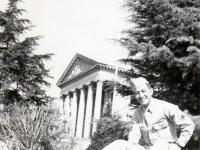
(22, 73)
(164, 47)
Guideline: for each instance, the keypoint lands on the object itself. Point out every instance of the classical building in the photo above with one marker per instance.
(84, 93)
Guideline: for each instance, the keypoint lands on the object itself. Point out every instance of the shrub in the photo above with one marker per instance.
(33, 128)
(194, 143)
(108, 130)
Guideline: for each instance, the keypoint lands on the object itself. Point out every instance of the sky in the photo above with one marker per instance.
(75, 26)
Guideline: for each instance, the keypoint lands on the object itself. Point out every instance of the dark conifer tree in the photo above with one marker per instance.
(22, 73)
(164, 47)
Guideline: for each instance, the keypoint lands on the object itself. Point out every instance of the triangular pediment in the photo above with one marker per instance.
(78, 64)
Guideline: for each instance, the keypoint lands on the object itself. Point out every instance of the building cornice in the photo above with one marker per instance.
(96, 67)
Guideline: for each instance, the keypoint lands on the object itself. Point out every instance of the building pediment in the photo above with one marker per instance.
(81, 65)
(78, 65)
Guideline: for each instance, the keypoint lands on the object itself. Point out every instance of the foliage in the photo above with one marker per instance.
(28, 128)
(194, 143)
(164, 47)
(66, 143)
(22, 73)
(108, 130)
(34, 128)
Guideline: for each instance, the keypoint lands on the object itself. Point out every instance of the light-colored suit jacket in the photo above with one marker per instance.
(159, 121)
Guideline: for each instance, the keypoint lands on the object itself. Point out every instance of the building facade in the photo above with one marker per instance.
(84, 93)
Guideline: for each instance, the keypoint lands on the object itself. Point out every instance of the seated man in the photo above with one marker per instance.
(155, 122)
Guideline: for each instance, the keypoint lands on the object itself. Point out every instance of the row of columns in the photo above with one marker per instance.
(82, 111)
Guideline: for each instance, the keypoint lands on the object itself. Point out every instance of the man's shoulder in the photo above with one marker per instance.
(162, 103)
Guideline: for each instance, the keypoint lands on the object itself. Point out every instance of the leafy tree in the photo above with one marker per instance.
(164, 47)
(22, 73)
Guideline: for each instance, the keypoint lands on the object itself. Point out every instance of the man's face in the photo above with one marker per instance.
(143, 94)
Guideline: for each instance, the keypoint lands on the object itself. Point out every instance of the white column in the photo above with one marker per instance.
(80, 114)
(66, 112)
(62, 103)
(97, 107)
(88, 112)
(66, 107)
(73, 115)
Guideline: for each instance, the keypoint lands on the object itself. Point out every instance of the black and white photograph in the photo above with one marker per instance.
(100, 75)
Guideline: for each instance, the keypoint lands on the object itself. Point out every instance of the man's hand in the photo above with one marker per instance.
(143, 129)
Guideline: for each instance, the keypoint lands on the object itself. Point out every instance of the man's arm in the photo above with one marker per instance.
(182, 120)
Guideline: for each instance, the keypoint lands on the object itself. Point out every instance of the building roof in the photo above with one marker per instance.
(80, 65)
